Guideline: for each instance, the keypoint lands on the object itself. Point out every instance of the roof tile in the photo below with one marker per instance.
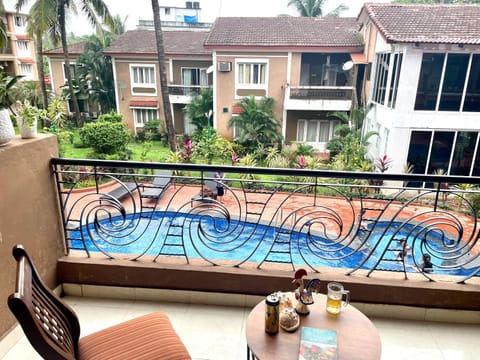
(283, 31)
(447, 24)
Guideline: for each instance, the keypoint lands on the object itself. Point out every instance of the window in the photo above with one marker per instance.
(397, 65)
(20, 21)
(453, 152)
(143, 79)
(141, 116)
(23, 45)
(26, 68)
(167, 11)
(251, 73)
(449, 82)
(316, 132)
(73, 71)
(381, 77)
(194, 76)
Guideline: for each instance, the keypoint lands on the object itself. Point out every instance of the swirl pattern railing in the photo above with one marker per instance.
(362, 222)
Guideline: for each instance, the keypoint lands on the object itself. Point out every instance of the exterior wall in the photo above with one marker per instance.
(29, 214)
(397, 123)
(56, 74)
(225, 86)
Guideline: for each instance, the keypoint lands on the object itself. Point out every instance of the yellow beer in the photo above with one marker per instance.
(334, 305)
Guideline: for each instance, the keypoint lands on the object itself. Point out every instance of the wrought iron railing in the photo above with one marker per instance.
(362, 222)
(321, 93)
(185, 90)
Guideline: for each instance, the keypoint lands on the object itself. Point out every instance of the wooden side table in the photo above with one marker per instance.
(357, 337)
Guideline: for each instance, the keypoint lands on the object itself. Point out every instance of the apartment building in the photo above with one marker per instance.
(425, 85)
(305, 64)
(18, 56)
(137, 78)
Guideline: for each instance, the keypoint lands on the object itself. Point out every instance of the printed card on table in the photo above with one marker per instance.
(318, 344)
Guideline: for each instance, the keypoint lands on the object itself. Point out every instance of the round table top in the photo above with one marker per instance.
(357, 337)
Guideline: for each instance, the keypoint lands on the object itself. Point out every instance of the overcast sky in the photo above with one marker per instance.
(142, 9)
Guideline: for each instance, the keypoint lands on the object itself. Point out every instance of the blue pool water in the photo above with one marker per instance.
(216, 239)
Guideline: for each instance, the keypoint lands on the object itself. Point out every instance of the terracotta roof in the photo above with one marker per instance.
(144, 42)
(447, 24)
(73, 49)
(284, 32)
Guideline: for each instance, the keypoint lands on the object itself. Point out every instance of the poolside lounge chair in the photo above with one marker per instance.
(120, 191)
(53, 328)
(160, 183)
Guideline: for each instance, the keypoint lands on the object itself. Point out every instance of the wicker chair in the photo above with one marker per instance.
(53, 329)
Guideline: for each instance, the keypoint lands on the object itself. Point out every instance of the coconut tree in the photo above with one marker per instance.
(94, 10)
(314, 8)
(163, 77)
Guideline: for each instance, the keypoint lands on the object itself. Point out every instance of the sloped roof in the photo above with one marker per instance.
(405, 23)
(283, 32)
(73, 49)
(144, 42)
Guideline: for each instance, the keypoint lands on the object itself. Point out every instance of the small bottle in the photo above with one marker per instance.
(272, 313)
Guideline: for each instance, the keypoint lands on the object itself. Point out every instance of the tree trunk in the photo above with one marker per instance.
(163, 77)
(41, 73)
(63, 36)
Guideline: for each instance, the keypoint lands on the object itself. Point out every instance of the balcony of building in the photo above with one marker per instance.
(183, 94)
(325, 83)
(310, 219)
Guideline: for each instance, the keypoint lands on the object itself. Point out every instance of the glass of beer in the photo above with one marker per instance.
(335, 296)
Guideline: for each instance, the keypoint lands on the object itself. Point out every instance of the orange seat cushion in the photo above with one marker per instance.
(147, 337)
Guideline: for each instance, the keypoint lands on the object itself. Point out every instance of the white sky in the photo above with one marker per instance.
(142, 9)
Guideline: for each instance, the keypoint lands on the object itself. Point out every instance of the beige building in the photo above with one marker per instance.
(305, 64)
(18, 57)
(137, 77)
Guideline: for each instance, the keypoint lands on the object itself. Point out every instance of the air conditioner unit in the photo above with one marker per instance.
(224, 66)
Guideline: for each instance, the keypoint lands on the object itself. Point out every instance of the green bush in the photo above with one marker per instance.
(112, 117)
(105, 137)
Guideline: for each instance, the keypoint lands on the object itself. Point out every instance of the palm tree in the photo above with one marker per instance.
(256, 123)
(199, 109)
(93, 9)
(163, 77)
(314, 8)
(41, 19)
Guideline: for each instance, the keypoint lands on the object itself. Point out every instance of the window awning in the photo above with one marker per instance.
(27, 61)
(236, 109)
(144, 103)
(359, 58)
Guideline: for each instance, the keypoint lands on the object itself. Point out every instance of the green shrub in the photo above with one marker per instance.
(105, 137)
(112, 117)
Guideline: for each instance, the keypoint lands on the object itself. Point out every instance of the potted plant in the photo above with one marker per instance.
(27, 117)
(7, 83)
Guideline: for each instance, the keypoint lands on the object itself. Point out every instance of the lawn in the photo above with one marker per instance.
(139, 151)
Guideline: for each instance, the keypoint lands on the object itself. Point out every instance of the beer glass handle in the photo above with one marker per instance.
(347, 297)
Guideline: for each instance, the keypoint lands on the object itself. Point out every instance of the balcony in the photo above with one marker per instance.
(61, 210)
(321, 98)
(192, 314)
(183, 94)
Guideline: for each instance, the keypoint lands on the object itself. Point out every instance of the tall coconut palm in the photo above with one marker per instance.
(41, 19)
(314, 8)
(94, 10)
(163, 77)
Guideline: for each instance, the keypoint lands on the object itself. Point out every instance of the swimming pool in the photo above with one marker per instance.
(221, 240)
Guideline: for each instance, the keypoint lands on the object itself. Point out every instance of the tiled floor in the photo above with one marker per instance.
(217, 332)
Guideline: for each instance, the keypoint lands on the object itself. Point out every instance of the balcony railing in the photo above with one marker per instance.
(362, 222)
(321, 93)
(184, 90)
